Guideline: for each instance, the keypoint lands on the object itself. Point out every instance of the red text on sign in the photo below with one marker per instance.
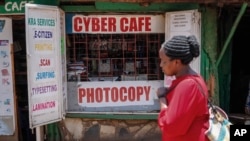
(44, 62)
(135, 24)
(110, 24)
(94, 24)
(114, 94)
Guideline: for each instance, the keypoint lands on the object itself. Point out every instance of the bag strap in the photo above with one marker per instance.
(215, 111)
(203, 93)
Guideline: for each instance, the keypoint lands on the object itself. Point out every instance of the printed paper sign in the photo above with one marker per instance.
(7, 124)
(44, 64)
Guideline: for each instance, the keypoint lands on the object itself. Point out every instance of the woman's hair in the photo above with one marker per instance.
(182, 47)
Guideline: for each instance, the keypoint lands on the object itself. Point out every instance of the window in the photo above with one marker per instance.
(113, 57)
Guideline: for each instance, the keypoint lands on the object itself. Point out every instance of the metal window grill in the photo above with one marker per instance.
(113, 57)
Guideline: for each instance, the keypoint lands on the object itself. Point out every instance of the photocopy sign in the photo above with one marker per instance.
(118, 96)
(44, 64)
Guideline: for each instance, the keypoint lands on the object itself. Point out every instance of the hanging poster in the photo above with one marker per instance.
(7, 123)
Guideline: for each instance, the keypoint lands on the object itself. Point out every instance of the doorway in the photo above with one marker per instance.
(20, 71)
(240, 74)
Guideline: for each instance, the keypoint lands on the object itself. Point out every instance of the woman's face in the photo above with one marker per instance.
(167, 65)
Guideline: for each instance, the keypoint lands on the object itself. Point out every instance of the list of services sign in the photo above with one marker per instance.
(44, 64)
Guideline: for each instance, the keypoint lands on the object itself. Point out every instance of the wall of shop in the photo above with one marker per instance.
(110, 129)
(133, 125)
(148, 127)
(123, 125)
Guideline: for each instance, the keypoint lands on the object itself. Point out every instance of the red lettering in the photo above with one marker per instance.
(42, 106)
(124, 24)
(147, 23)
(122, 91)
(95, 24)
(106, 91)
(140, 23)
(90, 95)
(44, 62)
(131, 94)
(133, 26)
(103, 24)
(114, 94)
(108, 24)
(98, 95)
(112, 24)
(81, 94)
(147, 90)
(86, 22)
(77, 24)
(139, 93)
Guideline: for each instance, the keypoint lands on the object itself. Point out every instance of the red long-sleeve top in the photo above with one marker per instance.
(186, 117)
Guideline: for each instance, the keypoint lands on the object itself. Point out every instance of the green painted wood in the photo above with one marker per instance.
(209, 47)
(47, 2)
(129, 7)
(79, 8)
(150, 7)
(224, 60)
(232, 31)
(53, 132)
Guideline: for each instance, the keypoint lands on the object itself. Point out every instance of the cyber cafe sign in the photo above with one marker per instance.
(14, 6)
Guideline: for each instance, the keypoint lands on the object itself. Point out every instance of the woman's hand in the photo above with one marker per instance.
(163, 103)
(161, 92)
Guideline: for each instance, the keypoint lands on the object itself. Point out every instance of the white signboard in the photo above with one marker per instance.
(44, 64)
(7, 116)
(117, 94)
(118, 24)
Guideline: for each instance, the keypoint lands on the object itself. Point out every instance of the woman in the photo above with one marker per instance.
(183, 109)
